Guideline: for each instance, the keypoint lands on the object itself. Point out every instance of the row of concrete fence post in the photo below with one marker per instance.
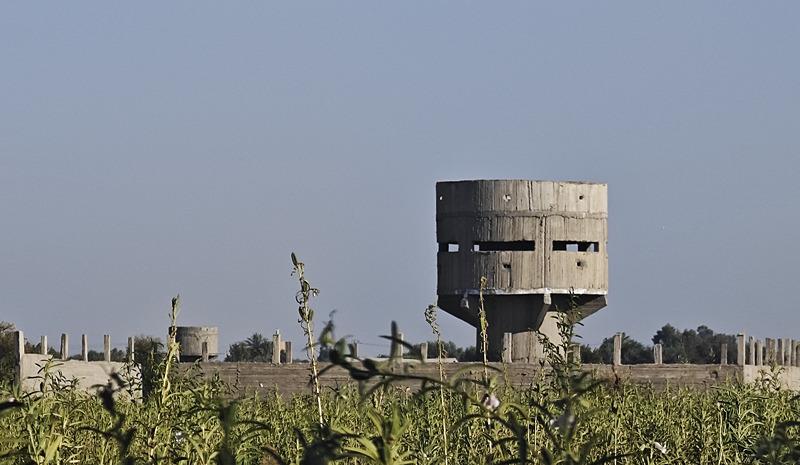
(64, 352)
(283, 355)
(749, 351)
(780, 351)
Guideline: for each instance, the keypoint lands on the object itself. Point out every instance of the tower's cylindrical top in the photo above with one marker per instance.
(525, 237)
(504, 196)
(191, 339)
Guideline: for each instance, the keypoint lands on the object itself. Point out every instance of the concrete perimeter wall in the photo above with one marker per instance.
(265, 378)
(88, 376)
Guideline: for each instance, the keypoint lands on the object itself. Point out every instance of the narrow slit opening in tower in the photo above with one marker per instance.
(448, 247)
(503, 246)
(576, 246)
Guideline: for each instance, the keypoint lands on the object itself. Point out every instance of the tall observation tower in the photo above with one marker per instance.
(541, 246)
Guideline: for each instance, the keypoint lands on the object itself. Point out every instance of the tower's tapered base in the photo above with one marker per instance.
(523, 316)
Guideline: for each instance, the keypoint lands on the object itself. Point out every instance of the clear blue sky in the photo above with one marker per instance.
(148, 149)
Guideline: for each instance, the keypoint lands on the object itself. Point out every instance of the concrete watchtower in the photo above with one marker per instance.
(541, 246)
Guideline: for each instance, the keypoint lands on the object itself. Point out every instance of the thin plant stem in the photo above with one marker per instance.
(430, 317)
(306, 321)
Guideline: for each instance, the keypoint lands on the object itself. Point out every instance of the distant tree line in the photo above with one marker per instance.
(701, 346)
(255, 348)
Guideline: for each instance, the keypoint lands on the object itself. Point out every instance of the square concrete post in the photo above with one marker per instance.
(107, 347)
(19, 345)
(84, 348)
(658, 355)
(740, 350)
(790, 348)
(787, 350)
(507, 347)
(779, 352)
(276, 348)
(576, 353)
(423, 352)
(130, 350)
(288, 346)
(617, 349)
(751, 358)
(770, 343)
(759, 353)
(204, 353)
(797, 355)
(19, 353)
(43, 345)
(723, 354)
(396, 352)
(64, 346)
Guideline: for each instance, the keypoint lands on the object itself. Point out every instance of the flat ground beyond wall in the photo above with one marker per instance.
(265, 378)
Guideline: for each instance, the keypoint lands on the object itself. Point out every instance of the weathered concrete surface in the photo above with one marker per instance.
(32, 369)
(787, 376)
(264, 378)
(192, 338)
(89, 375)
(541, 245)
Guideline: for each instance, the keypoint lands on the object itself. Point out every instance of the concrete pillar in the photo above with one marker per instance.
(507, 347)
(276, 348)
(525, 347)
(759, 352)
(751, 358)
(658, 355)
(19, 345)
(204, 354)
(797, 354)
(617, 349)
(779, 352)
(107, 347)
(787, 351)
(396, 351)
(354, 350)
(19, 353)
(84, 348)
(423, 352)
(43, 345)
(130, 350)
(64, 346)
(288, 348)
(791, 348)
(770, 343)
(723, 354)
(576, 353)
(740, 349)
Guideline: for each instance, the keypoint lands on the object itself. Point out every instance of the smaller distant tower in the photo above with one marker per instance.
(191, 340)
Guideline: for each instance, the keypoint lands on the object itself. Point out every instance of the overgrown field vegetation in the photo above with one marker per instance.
(562, 417)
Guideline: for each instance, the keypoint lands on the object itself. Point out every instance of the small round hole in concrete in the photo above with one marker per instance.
(506, 197)
(580, 197)
(580, 263)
